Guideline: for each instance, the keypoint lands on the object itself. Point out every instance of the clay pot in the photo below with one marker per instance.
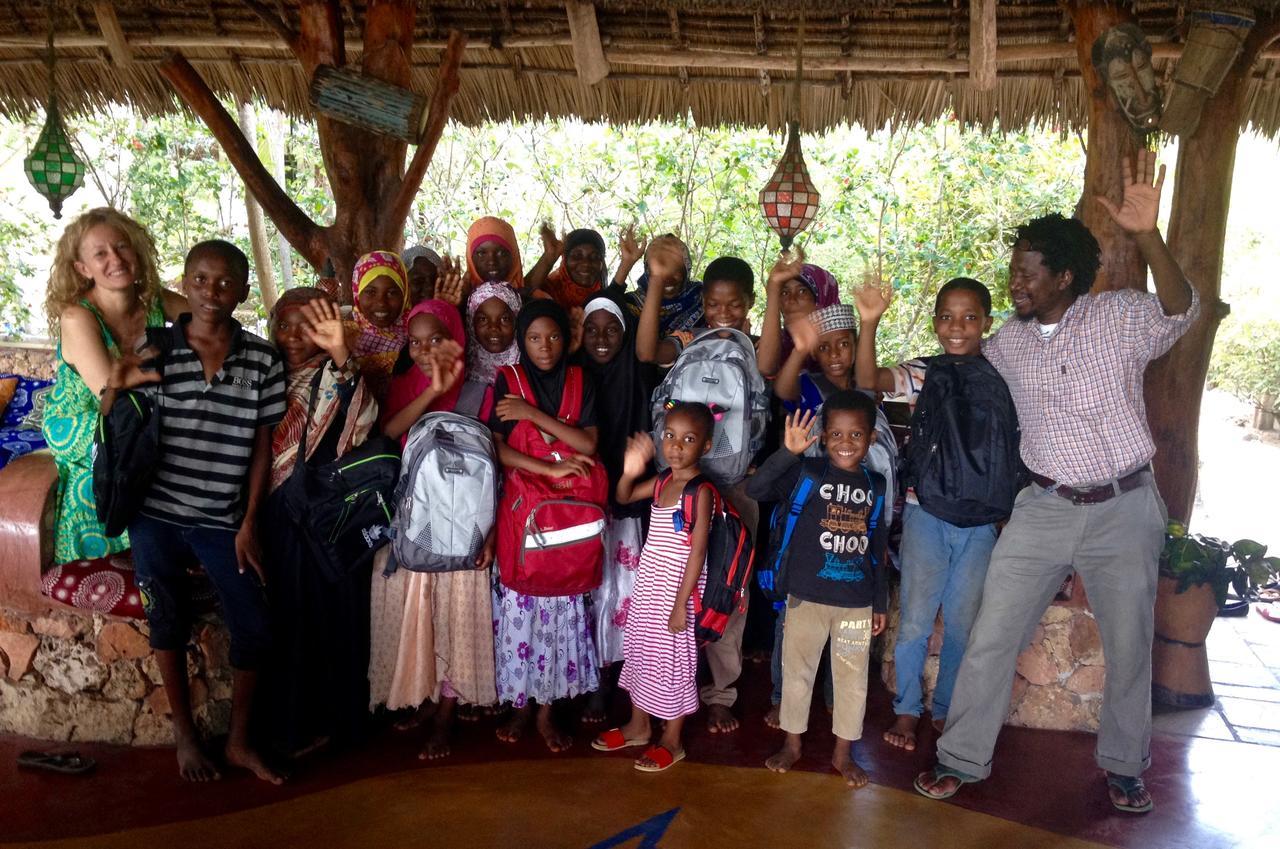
(1179, 662)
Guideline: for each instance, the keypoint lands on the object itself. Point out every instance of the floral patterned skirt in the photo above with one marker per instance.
(623, 538)
(543, 647)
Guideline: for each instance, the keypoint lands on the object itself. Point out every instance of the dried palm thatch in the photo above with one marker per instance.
(871, 63)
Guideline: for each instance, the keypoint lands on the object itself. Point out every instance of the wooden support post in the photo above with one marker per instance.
(1111, 141)
(113, 33)
(1197, 235)
(258, 243)
(982, 44)
(588, 52)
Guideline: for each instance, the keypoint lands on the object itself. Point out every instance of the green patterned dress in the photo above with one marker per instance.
(70, 418)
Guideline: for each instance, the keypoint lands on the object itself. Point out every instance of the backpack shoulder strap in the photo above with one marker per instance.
(689, 500)
(663, 478)
(518, 380)
(571, 399)
(808, 482)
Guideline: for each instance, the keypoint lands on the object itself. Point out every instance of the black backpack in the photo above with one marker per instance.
(126, 454)
(343, 508)
(962, 458)
(730, 557)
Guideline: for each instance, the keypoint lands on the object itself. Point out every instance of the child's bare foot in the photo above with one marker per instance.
(854, 775)
(595, 713)
(193, 765)
(437, 746)
(513, 729)
(247, 758)
(415, 719)
(720, 720)
(902, 734)
(557, 741)
(786, 757)
(773, 718)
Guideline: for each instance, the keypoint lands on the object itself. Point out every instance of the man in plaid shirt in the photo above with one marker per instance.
(1074, 363)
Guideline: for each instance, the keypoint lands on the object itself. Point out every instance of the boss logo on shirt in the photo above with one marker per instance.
(710, 380)
(243, 382)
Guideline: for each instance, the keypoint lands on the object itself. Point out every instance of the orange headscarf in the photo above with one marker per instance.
(491, 229)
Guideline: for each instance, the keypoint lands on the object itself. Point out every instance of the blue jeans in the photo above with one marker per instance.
(942, 565)
(161, 553)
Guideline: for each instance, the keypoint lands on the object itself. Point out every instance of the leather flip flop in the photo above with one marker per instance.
(67, 763)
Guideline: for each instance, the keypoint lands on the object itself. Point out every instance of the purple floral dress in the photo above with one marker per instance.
(544, 648)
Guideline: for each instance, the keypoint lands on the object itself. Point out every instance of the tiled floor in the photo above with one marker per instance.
(1244, 663)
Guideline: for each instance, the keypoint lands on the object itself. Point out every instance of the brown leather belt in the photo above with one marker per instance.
(1094, 494)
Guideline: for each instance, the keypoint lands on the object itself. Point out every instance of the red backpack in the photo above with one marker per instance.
(730, 557)
(550, 530)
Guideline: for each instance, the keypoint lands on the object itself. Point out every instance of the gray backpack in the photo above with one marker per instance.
(718, 368)
(447, 495)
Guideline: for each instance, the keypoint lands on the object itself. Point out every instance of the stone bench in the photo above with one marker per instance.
(1058, 684)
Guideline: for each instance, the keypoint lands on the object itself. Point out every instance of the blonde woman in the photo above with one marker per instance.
(104, 291)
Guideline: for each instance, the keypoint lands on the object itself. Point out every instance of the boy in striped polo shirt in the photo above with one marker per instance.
(219, 392)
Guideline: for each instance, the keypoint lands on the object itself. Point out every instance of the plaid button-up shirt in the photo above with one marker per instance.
(1079, 392)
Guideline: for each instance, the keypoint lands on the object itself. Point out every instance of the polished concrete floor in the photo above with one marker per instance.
(1213, 779)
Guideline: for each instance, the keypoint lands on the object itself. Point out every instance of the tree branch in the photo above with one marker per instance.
(446, 88)
(290, 220)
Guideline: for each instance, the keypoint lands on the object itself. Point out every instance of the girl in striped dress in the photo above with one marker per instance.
(659, 647)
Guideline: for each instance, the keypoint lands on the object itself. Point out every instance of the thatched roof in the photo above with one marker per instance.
(865, 62)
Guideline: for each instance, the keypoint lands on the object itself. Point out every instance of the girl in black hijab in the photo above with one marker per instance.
(608, 355)
(543, 646)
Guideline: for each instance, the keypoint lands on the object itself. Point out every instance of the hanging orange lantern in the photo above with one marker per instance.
(789, 200)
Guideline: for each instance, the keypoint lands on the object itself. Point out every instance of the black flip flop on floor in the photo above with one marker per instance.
(67, 763)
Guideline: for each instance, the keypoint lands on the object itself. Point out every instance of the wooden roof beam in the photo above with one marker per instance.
(982, 44)
(113, 33)
(588, 51)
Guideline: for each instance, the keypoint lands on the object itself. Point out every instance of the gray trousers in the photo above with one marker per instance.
(1115, 548)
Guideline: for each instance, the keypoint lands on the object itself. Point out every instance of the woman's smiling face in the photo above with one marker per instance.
(381, 302)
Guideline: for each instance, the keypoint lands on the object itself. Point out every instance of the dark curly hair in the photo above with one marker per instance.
(1066, 245)
(698, 413)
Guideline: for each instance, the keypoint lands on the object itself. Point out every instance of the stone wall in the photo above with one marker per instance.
(73, 677)
(27, 360)
(1059, 678)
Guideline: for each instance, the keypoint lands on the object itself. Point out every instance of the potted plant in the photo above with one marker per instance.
(1196, 572)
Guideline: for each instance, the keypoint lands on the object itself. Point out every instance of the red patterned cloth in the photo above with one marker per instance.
(105, 585)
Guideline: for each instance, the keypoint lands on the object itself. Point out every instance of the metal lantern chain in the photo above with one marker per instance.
(789, 200)
(52, 166)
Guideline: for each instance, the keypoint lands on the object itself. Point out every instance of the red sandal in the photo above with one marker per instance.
(613, 740)
(662, 758)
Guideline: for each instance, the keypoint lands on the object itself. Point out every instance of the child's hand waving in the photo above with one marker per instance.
(446, 366)
(552, 246)
(576, 317)
(787, 267)
(638, 453)
(803, 334)
(873, 298)
(325, 329)
(796, 438)
(449, 283)
(630, 250)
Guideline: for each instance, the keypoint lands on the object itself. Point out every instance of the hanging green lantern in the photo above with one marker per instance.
(52, 166)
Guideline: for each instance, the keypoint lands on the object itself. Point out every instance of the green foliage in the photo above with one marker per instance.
(15, 313)
(1246, 359)
(1194, 559)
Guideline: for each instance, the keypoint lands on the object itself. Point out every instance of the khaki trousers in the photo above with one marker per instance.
(808, 627)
